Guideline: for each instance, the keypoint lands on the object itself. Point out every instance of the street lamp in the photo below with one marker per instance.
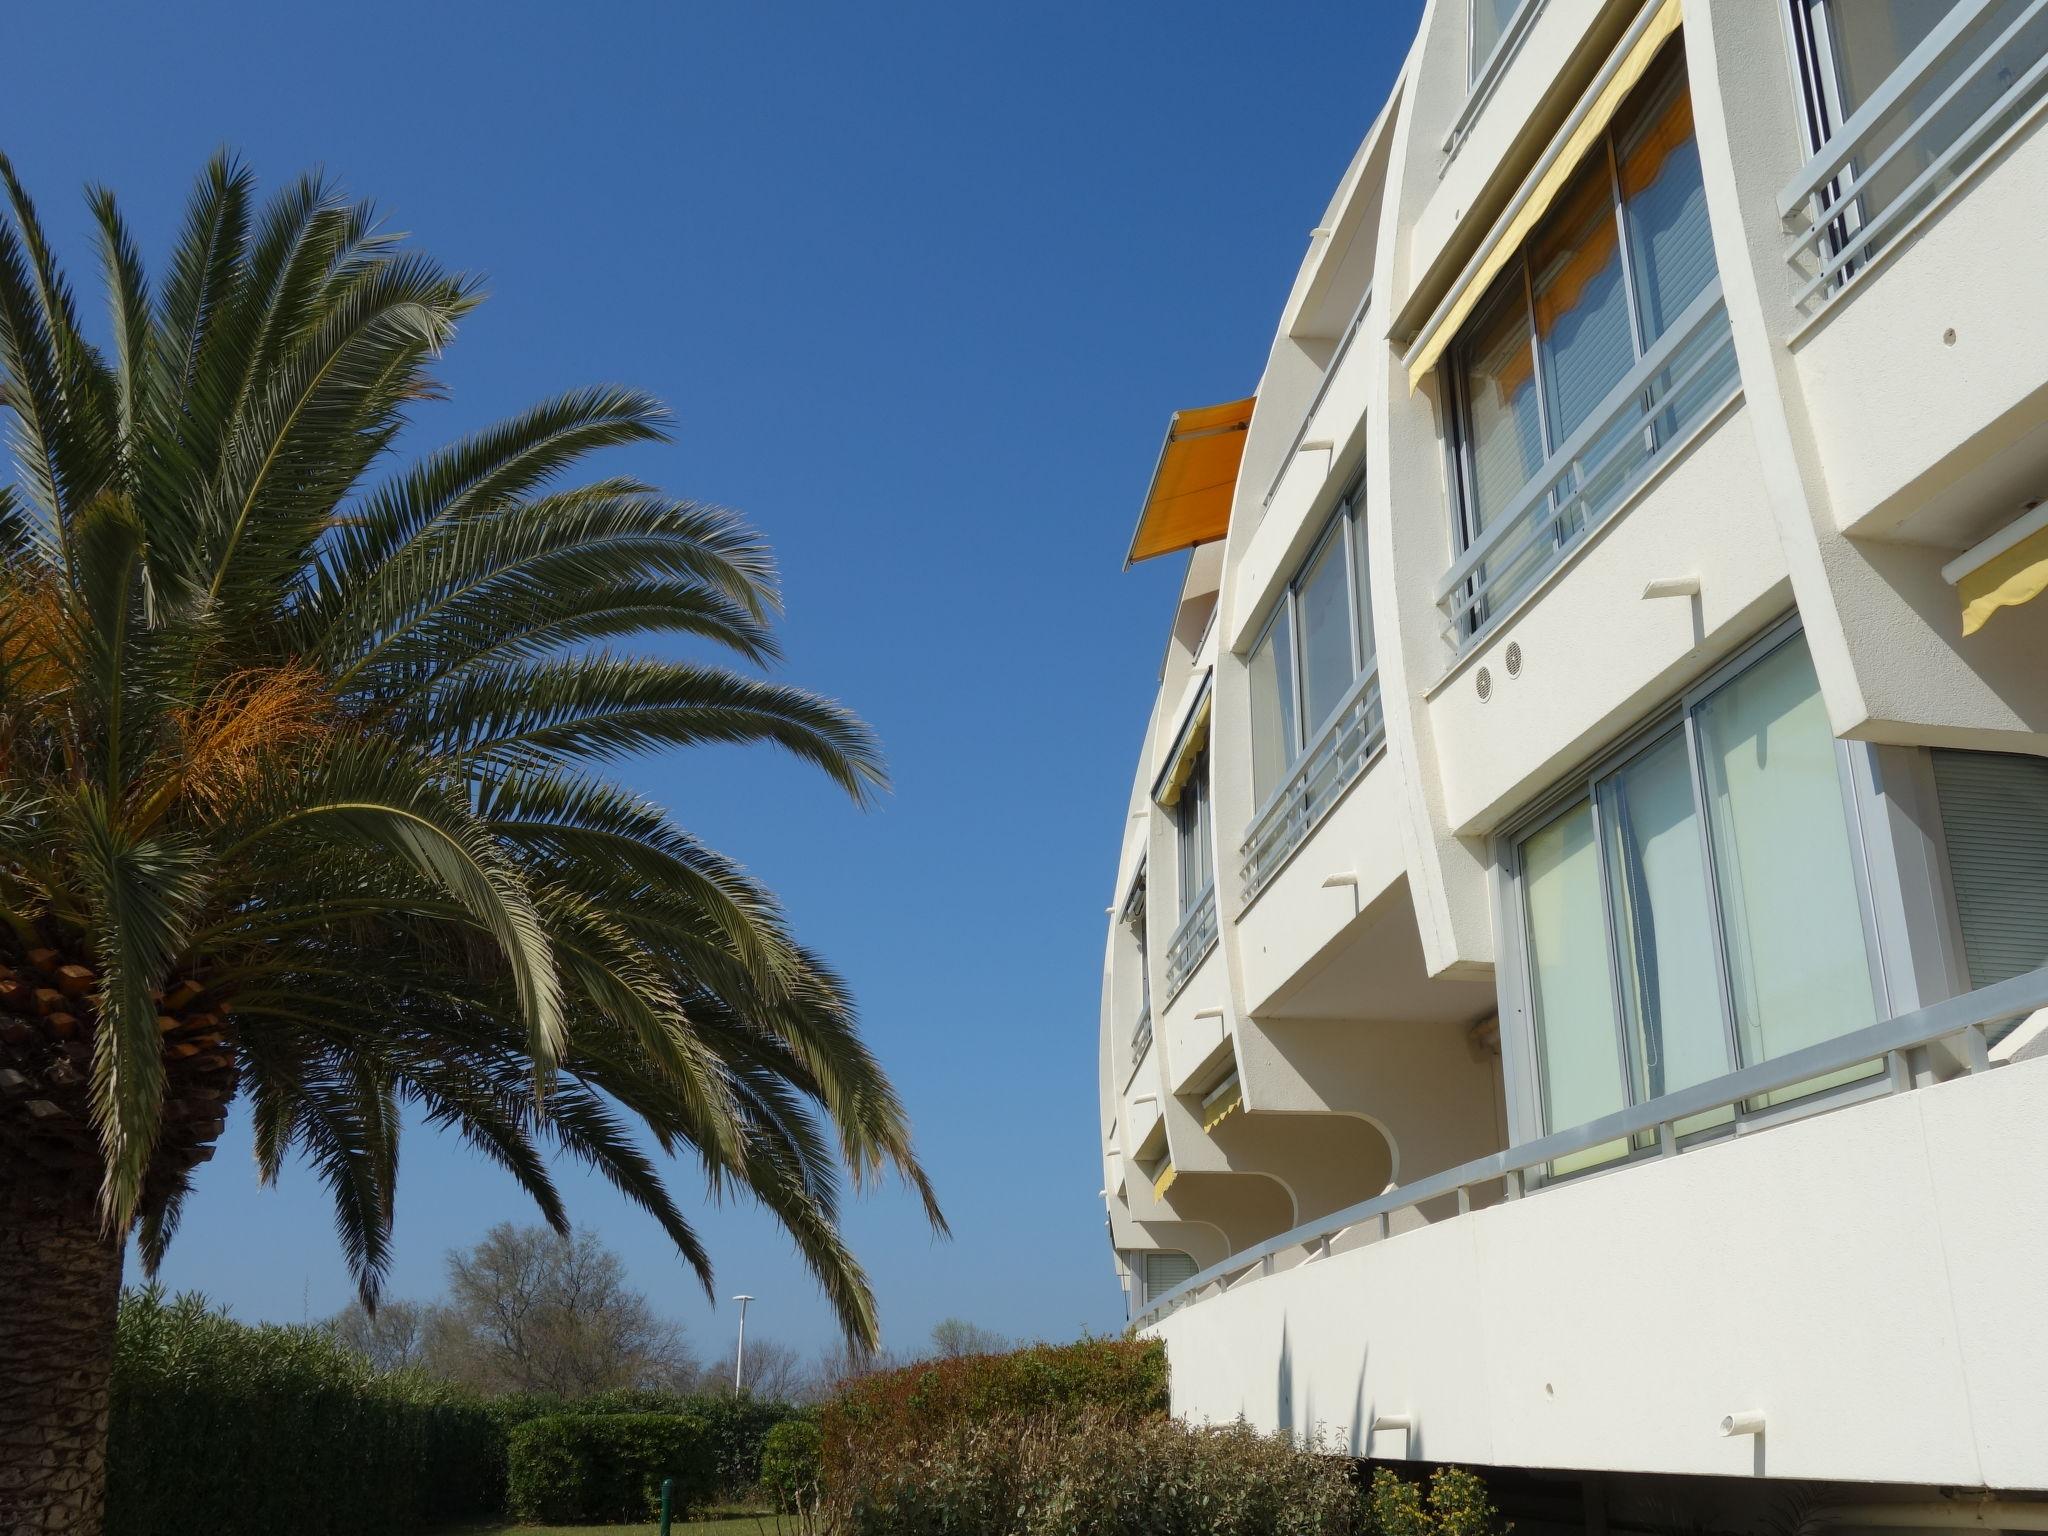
(739, 1359)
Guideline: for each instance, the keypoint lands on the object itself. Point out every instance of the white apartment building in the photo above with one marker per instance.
(1570, 1001)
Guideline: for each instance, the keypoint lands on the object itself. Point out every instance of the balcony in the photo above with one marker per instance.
(1333, 761)
(1963, 1024)
(1971, 86)
(1525, 1332)
(1141, 1036)
(1673, 391)
(1191, 941)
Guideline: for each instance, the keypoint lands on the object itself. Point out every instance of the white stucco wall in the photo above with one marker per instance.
(1870, 1280)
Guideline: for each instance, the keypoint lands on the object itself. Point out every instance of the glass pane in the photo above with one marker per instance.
(1570, 992)
(1583, 333)
(1866, 40)
(1490, 20)
(1273, 739)
(1323, 605)
(1366, 646)
(1657, 890)
(1798, 969)
(1503, 432)
(1671, 251)
(1191, 813)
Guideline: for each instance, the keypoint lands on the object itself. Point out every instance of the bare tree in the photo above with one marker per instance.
(776, 1373)
(531, 1311)
(956, 1336)
(395, 1338)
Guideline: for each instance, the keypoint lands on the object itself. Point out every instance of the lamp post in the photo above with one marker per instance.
(739, 1359)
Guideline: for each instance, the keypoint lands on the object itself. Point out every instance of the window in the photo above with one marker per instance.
(1133, 917)
(1316, 716)
(1694, 907)
(1491, 21)
(1545, 440)
(1320, 634)
(1191, 825)
(1940, 78)
(1161, 1272)
(1994, 819)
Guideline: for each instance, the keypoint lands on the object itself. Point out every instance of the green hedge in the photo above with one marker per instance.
(1095, 1471)
(219, 1428)
(1121, 1378)
(591, 1467)
(789, 1463)
(737, 1426)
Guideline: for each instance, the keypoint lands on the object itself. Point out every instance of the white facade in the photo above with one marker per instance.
(1573, 744)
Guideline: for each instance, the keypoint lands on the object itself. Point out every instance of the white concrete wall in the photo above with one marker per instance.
(1870, 1280)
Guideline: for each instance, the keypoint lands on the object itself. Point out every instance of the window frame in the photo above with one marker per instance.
(1345, 521)
(1481, 72)
(1523, 1060)
(1453, 372)
(1194, 797)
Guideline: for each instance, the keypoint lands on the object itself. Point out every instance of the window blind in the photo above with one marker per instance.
(1163, 1271)
(1994, 810)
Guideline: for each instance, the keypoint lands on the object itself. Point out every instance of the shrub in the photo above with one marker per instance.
(736, 1425)
(220, 1428)
(1456, 1504)
(789, 1463)
(607, 1466)
(1121, 1379)
(1095, 1471)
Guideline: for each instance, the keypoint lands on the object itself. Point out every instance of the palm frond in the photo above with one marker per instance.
(306, 756)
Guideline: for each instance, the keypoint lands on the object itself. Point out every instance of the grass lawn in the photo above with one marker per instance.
(720, 1522)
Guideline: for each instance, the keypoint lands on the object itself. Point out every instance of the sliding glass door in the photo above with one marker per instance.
(1694, 907)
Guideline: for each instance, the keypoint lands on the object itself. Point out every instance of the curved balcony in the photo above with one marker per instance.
(1679, 1289)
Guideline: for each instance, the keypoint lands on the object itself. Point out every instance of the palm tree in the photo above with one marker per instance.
(302, 798)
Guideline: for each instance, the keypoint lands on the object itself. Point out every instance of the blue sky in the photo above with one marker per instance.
(922, 283)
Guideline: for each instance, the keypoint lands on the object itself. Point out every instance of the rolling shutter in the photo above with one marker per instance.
(1163, 1271)
(1994, 811)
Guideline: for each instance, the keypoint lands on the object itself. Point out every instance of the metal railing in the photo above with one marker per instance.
(1967, 1020)
(1192, 940)
(1688, 373)
(1355, 732)
(1839, 207)
(1141, 1035)
(1316, 401)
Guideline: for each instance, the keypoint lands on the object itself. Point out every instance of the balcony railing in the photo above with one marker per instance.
(1863, 189)
(1191, 941)
(1967, 1021)
(1141, 1035)
(1325, 771)
(1688, 373)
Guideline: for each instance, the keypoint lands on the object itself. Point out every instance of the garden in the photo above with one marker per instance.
(221, 1428)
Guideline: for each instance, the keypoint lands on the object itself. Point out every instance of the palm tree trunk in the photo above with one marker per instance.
(60, 1287)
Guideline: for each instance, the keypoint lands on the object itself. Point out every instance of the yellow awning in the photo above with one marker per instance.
(1217, 1110)
(1564, 157)
(2017, 574)
(1164, 1182)
(1189, 501)
(1193, 737)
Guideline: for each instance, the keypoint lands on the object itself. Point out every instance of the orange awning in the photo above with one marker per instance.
(1189, 502)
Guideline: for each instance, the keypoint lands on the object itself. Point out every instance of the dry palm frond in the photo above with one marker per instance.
(243, 726)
